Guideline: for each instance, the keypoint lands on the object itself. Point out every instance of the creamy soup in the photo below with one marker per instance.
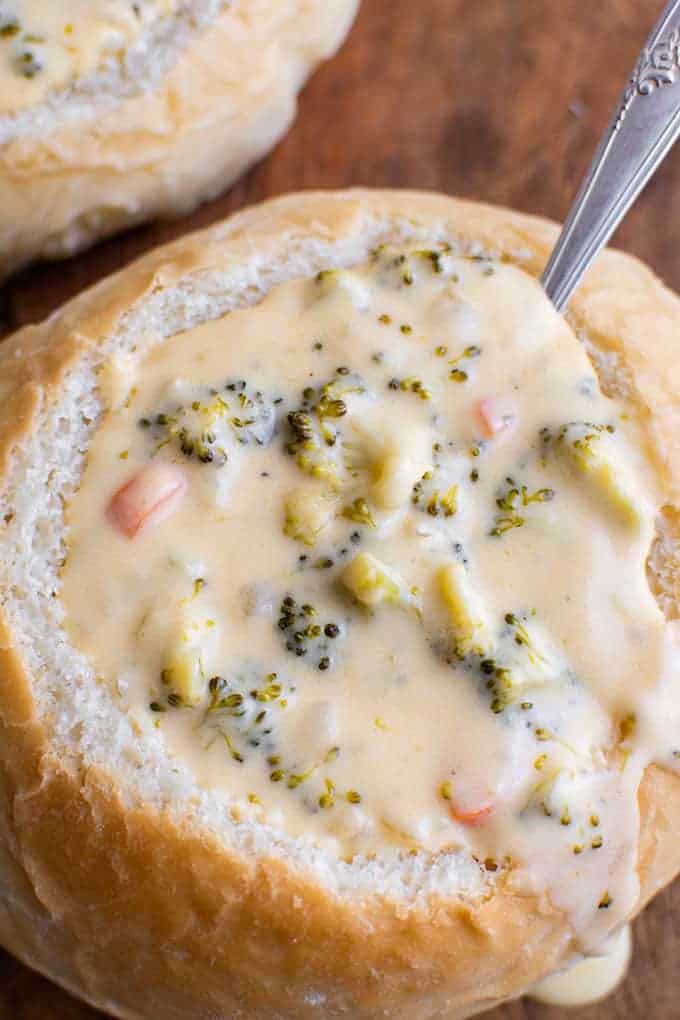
(590, 979)
(371, 556)
(46, 45)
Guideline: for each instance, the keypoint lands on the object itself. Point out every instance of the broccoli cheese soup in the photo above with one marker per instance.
(45, 46)
(371, 556)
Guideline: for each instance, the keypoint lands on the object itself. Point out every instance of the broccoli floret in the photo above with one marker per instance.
(433, 495)
(204, 425)
(239, 712)
(315, 437)
(307, 635)
(512, 501)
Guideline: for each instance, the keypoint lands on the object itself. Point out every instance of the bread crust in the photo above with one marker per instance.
(225, 102)
(150, 919)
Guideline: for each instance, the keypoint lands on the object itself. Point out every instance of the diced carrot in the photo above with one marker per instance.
(472, 816)
(491, 420)
(150, 496)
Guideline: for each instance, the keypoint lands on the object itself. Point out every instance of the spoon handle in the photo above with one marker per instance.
(643, 129)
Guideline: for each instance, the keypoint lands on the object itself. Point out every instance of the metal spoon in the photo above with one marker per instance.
(641, 133)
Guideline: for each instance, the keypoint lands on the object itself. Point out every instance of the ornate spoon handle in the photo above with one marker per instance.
(643, 129)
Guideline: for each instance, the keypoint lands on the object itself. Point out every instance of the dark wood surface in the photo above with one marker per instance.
(501, 100)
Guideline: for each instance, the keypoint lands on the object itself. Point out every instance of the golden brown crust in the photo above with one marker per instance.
(229, 97)
(151, 920)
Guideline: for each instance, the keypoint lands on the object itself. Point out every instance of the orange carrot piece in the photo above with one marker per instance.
(490, 419)
(150, 496)
(472, 816)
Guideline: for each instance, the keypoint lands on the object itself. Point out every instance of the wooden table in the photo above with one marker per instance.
(501, 100)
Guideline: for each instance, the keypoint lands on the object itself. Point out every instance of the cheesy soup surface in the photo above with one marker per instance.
(370, 555)
(46, 45)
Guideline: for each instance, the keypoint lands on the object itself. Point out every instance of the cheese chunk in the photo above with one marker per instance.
(374, 584)
(466, 614)
(593, 452)
(307, 512)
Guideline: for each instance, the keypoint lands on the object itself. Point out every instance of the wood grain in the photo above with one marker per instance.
(501, 100)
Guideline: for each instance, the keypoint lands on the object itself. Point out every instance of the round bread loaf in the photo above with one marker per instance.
(111, 114)
(154, 892)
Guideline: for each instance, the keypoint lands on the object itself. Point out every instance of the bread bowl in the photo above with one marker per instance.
(162, 857)
(113, 113)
